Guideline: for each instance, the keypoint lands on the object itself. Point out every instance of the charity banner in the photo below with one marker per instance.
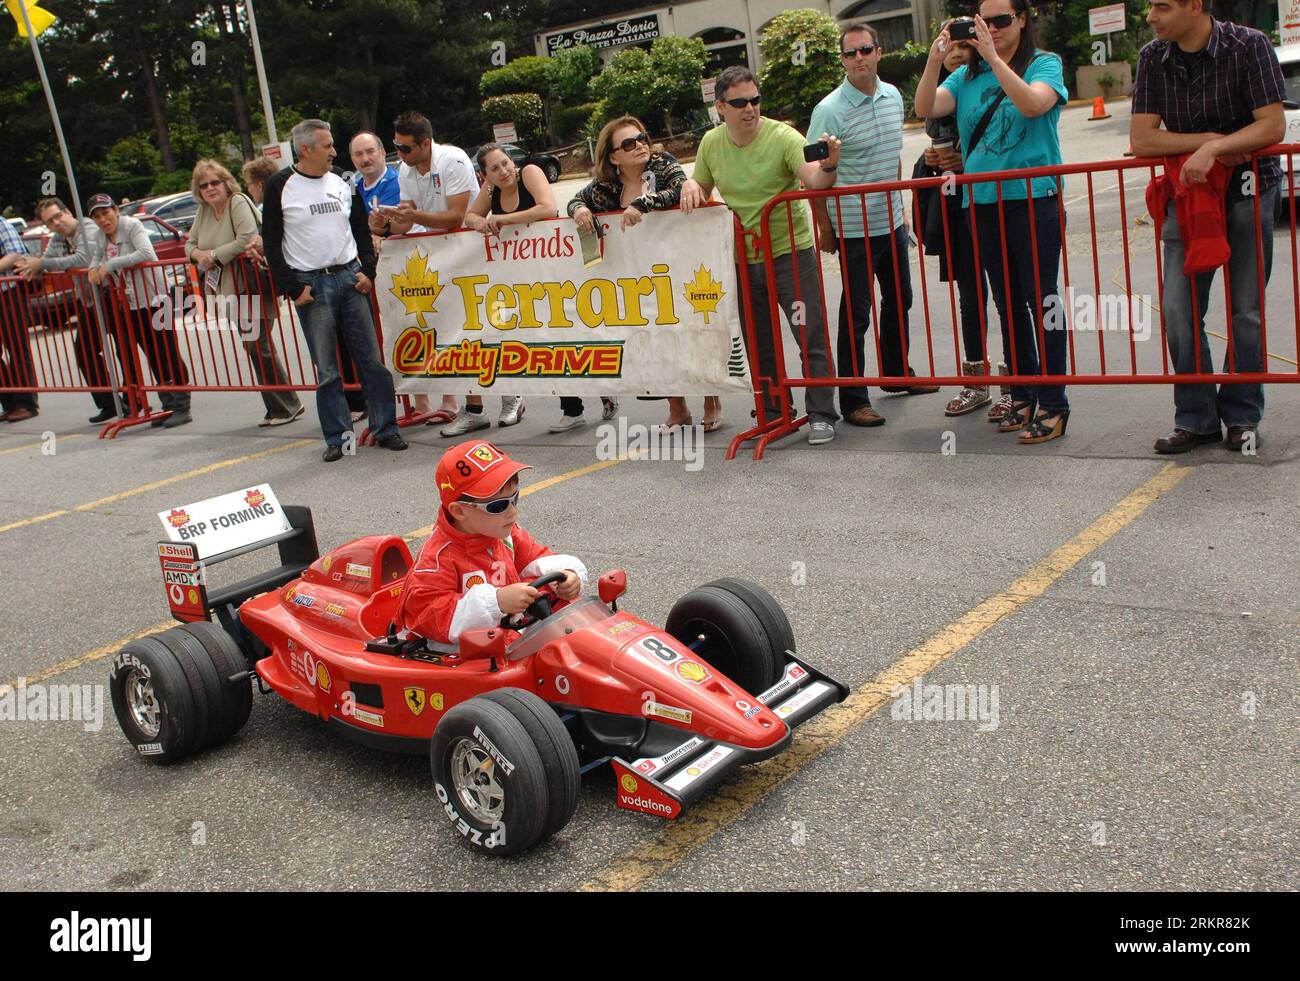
(656, 311)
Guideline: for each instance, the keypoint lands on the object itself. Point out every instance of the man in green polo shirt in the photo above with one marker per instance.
(750, 159)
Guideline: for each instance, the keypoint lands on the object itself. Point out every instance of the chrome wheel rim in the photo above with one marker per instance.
(142, 704)
(474, 778)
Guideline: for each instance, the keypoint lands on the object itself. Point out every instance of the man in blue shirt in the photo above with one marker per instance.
(375, 180)
(867, 114)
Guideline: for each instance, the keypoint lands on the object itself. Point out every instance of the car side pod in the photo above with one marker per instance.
(666, 785)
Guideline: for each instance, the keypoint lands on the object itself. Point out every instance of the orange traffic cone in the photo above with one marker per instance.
(1098, 109)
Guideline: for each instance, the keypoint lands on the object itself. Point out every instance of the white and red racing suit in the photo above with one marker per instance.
(453, 587)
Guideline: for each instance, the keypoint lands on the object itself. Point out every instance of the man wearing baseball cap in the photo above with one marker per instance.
(475, 567)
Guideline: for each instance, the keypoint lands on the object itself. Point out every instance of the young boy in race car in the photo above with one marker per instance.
(475, 567)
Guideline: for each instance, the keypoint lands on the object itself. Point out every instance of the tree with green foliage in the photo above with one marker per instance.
(526, 74)
(569, 73)
(524, 109)
(1063, 30)
(651, 85)
(801, 63)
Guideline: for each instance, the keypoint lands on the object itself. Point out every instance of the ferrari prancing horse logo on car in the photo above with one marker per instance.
(416, 700)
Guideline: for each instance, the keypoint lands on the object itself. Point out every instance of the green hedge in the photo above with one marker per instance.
(568, 121)
(897, 67)
(527, 74)
(524, 109)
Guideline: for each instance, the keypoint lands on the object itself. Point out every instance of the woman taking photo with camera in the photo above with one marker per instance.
(1008, 103)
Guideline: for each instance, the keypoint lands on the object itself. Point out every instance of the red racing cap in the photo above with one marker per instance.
(475, 468)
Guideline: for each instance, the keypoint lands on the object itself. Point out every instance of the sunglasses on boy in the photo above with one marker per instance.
(741, 103)
(630, 143)
(500, 506)
(864, 50)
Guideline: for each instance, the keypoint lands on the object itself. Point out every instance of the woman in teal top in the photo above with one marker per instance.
(1020, 91)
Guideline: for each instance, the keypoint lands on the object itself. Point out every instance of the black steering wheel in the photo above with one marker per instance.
(539, 609)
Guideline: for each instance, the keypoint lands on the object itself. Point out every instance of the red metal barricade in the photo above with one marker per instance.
(1079, 307)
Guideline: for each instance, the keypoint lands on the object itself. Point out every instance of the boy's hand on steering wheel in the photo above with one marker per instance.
(570, 588)
(516, 597)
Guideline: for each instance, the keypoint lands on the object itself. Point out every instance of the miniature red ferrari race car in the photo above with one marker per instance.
(511, 717)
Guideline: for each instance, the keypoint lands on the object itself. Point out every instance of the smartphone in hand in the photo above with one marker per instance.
(820, 150)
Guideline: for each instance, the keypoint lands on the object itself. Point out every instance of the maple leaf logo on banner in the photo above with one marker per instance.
(178, 517)
(416, 287)
(703, 292)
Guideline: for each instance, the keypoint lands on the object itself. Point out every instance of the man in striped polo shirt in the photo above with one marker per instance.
(867, 114)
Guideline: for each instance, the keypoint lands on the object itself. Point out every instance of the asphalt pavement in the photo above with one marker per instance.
(1135, 618)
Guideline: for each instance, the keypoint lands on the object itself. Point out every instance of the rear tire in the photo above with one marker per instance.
(489, 777)
(735, 639)
(229, 661)
(552, 173)
(153, 701)
(197, 665)
(554, 746)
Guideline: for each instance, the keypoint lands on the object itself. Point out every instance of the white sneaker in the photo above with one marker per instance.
(512, 410)
(820, 432)
(466, 422)
(611, 408)
(565, 423)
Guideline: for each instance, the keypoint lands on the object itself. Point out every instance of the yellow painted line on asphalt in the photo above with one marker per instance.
(734, 800)
(166, 482)
(31, 446)
(99, 653)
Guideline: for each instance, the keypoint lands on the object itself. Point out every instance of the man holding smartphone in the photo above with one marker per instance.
(435, 183)
(752, 159)
(868, 112)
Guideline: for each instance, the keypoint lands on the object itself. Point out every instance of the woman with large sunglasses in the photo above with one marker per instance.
(629, 178)
(1008, 103)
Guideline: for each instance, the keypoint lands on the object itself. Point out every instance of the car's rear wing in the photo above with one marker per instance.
(667, 784)
(185, 574)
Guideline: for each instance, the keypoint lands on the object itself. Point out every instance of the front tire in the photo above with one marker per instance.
(552, 173)
(730, 634)
(489, 777)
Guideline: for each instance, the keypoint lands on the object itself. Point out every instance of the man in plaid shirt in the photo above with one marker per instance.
(16, 366)
(1218, 89)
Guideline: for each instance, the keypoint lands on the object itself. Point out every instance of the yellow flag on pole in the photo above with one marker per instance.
(41, 19)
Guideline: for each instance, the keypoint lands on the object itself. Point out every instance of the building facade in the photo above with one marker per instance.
(731, 29)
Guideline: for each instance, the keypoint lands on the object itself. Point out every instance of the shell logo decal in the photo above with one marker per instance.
(629, 783)
(692, 671)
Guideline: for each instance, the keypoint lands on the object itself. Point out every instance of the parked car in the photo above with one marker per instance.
(20, 224)
(1289, 57)
(178, 210)
(550, 165)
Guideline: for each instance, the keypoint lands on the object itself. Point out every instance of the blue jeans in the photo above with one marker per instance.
(1019, 311)
(1198, 408)
(339, 312)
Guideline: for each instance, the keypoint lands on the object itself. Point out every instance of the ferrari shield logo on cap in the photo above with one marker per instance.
(415, 699)
(484, 455)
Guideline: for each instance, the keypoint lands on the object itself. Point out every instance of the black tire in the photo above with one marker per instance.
(554, 746)
(736, 642)
(210, 694)
(490, 731)
(229, 661)
(156, 667)
(766, 608)
(552, 173)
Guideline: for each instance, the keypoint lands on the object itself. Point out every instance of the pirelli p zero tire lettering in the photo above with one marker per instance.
(554, 746)
(489, 777)
(735, 639)
(229, 661)
(153, 701)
